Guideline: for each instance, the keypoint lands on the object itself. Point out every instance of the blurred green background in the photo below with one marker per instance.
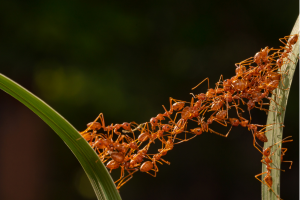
(125, 59)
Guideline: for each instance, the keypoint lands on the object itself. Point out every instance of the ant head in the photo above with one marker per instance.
(201, 96)
(160, 117)
(166, 127)
(227, 82)
(126, 126)
(234, 121)
(265, 51)
(267, 151)
(197, 131)
(153, 121)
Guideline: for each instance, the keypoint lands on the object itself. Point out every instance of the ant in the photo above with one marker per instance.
(260, 134)
(267, 160)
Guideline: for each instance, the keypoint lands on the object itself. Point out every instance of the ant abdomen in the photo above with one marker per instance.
(146, 166)
(262, 137)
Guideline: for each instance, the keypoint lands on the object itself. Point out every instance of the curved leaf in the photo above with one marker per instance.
(97, 173)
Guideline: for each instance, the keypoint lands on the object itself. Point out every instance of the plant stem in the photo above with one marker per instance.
(277, 117)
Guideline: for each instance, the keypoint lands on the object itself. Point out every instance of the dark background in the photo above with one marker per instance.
(125, 59)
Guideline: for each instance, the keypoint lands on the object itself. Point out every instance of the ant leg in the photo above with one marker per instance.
(249, 115)
(277, 169)
(176, 100)
(204, 111)
(194, 120)
(155, 166)
(176, 117)
(193, 95)
(272, 49)
(162, 140)
(275, 95)
(154, 163)
(244, 119)
(185, 139)
(139, 126)
(175, 135)
(159, 163)
(101, 116)
(289, 162)
(283, 150)
(254, 141)
(165, 161)
(256, 176)
(97, 150)
(218, 121)
(128, 139)
(261, 103)
(218, 83)
(283, 89)
(154, 175)
(168, 114)
(235, 104)
(212, 131)
(264, 109)
(112, 133)
(237, 109)
(244, 61)
(171, 105)
(213, 113)
(122, 182)
(201, 83)
(284, 141)
(267, 130)
(139, 144)
(121, 176)
(120, 137)
(192, 102)
(93, 146)
(179, 128)
(89, 128)
(227, 108)
(242, 101)
(266, 125)
(133, 122)
(283, 42)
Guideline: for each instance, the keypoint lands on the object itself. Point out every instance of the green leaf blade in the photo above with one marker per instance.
(97, 173)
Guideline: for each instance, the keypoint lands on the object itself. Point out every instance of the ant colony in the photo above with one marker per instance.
(256, 78)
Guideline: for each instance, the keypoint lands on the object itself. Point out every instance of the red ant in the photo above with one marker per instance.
(267, 160)
(260, 134)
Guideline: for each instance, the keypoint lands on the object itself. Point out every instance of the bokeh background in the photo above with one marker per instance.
(125, 59)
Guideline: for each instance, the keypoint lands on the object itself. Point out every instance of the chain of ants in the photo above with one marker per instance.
(255, 79)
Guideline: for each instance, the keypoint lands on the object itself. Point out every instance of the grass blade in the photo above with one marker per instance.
(97, 173)
(275, 135)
